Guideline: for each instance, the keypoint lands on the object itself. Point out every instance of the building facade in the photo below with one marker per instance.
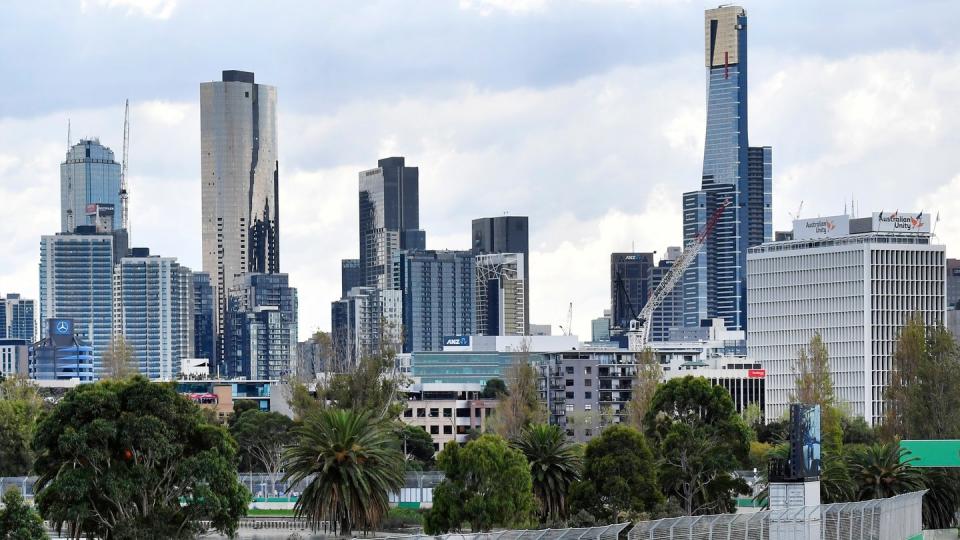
(153, 311)
(438, 296)
(14, 357)
(89, 176)
(239, 182)
(204, 308)
(61, 355)
(506, 234)
(389, 218)
(715, 284)
(17, 318)
(261, 338)
(350, 275)
(854, 281)
(669, 314)
(629, 286)
(448, 412)
(500, 295)
(76, 283)
(364, 323)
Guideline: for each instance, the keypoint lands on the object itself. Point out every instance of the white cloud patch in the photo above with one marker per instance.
(153, 9)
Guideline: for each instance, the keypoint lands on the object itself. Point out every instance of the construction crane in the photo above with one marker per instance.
(568, 330)
(124, 194)
(639, 333)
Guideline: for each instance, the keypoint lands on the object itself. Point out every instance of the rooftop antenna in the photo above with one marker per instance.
(124, 195)
(69, 138)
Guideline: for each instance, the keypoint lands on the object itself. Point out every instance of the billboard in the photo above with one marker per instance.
(456, 341)
(805, 441)
(821, 227)
(898, 221)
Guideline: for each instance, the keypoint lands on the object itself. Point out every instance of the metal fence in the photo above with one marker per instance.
(608, 532)
(896, 518)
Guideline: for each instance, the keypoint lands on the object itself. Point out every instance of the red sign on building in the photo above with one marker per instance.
(756, 373)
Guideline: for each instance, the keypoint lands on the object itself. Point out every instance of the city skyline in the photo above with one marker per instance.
(880, 107)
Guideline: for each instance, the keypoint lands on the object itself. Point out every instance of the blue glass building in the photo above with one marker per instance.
(261, 338)
(61, 356)
(204, 331)
(17, 317)
(715, 285)
(88, 176)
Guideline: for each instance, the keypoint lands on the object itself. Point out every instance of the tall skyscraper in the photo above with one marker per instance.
(506, 234)
(261, 337)
(350, 276)
(240, 182)
(204, 333)
(89, 176)
(17, 318)
(389, 218)
(153, 310)
(715, 284)
(438, 296)
(499, 295)
(629, 286)
(76, 283)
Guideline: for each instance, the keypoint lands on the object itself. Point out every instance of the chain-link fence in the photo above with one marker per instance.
(608, 532)
(896, 518)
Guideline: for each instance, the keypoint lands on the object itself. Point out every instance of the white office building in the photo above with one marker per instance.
(856, 281)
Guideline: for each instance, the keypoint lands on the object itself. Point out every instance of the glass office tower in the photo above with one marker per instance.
(506, 234)
(261, 328)
(438, 296)
(17, 316)
(88, 176)
(240, 178)
(715, 285)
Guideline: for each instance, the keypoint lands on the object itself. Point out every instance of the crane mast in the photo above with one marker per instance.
(639, 333)
(124, 194)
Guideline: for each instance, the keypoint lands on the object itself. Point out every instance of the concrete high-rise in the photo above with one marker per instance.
(438, 296)
(629, 286)
(239, 182)
(153, 310)
(89, 176)
(715, 285)
(261, 336)
(17, 318)
(365, 322)
(389, 218)
(506, 234)
(856, 281)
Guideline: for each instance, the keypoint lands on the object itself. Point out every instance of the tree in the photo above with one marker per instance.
(261, 437)
(118, 360)
(649, 374)
(373, 386)
(924, 391)
(20, 407)
(941, 503)
(133, 459)
(857, 431)
(814, 386)
(17, 520)
(619, 477)
(494, 389)
(554, 466)
(699, 439)
(416, 443)
(241, 406)
(351, 462)
(521, 406)
(774, 432)
(487, 483)
(880, 471)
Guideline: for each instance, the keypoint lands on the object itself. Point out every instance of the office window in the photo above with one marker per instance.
(587, 407)
(434, 430)
(569, 395)
(568, 407)
(588, 395)
(408, 413)
(569, 382)
(447, 430)
(569, 370)
(588, 382)
(588, 370)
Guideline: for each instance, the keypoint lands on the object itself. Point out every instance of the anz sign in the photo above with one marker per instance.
(456, 341)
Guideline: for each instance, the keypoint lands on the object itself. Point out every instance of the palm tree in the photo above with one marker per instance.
(351, 463)
(554, 465)
(880, 471)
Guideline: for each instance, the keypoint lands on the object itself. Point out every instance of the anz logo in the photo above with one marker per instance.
(456, 341)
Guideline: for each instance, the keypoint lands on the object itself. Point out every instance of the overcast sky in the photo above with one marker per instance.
(586, 116)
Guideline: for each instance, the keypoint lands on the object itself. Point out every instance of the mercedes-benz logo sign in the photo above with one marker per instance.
(62, 326)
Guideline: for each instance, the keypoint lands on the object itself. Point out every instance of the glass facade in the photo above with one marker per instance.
(466, 367)
(350, 276)
(61, 355)
(154, 313)
(17, 318)
(670, 312)
(76, 282)
(261, 338)
(204, 335)
(88, 176)
(629, 286)
(715, 284)
(438, 296)
(240, 182)
(506, 234)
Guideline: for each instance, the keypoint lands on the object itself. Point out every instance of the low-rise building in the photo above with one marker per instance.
(448, 411)
(14, 357)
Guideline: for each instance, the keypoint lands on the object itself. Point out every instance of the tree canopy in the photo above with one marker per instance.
(554, 466)
(487, 483)
(133, 459)
(20, 407)
(17, 520)
(699, 440)
(520, 407)
(416, 442)
(644, 386)
(619, 477)
(261, 437)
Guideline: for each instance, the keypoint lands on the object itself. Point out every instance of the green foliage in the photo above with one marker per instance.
(521, 407)
(118, 360)
(20, 407)
(836, 484)
(554, 466)
(487, 483)
(416, 442)
(373, 386)
(814, 386)
(494, 389)
(699, 439)
(857, 431)
(942, 502)
(880, 471)
(402, 518)
(619, 478)
(644, 387)
(773, 433)
(759, 455)
(352, 462)
(133, 459)
(241, 406)
(261, 437)
(924, 391)
(17, 520)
